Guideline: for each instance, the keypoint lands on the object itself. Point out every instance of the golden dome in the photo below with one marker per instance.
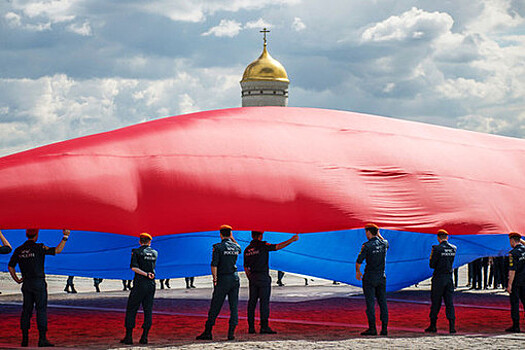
(265, 68)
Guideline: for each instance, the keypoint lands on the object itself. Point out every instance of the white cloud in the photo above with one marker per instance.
(496, 15)
(34, 112)
(198, 10)
(298, 24)
(13, 19)
(229, 28)
(412, 24)
(83, 29)
(260, 23)
(54, 10)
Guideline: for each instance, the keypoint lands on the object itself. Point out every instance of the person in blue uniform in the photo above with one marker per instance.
(256, 257)
(30, 257)
(225, 282)
(442, 261)
(516, 284)
(143, 260)
(374, 279)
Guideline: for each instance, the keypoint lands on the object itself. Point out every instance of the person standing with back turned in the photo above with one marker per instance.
(442, 261)
(30, 257)
(516, 286)
(143, 260)
(225, 282)
(258, 272)
(374, 279)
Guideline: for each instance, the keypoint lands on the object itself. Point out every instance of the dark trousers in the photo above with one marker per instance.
(499, 272)
(260, 289)
(227, 285)
(518, 293)
(485, 267)
(375, 289)
(456, 277)
(476, 274)
(442, 289)
(34, 292)
(141, 293)
(280, 276)
(70, 281)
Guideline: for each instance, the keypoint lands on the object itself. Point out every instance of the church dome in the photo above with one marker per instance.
(265, 68)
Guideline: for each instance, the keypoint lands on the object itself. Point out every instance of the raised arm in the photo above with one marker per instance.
(62, 243)
(286, 243)
(5, 243)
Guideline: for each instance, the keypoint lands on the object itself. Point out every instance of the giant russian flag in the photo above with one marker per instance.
(322, 173)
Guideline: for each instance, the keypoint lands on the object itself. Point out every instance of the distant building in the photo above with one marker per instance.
(265, 82)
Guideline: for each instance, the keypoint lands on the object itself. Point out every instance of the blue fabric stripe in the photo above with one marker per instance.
(329, 255)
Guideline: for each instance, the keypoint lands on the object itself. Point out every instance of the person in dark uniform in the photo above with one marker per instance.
(189, 282)
(516, 284)
(225, 282)
(30, 257)
(143, 260)
(256, 257)
(126, 284)
(70, 286)
(280, 275)
(476, 274)
(374, 279)
(164, 281)
(96, 284)
(442, 261)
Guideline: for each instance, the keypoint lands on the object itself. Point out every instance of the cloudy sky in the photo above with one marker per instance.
(75, 67)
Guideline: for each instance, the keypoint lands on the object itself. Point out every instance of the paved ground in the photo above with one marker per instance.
(321, 315)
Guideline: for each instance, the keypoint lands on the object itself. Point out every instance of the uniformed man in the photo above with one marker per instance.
(442, 261)
(143, 260)
(374, 279)
(30, 258)
(516, 284)
(225, 282)
(258, 272)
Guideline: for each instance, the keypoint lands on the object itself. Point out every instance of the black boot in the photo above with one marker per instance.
(251, 328)
(161, 284)
(168, 283)
(452, 326)
(265, 329)
(432, 328)
(384, 329)
(371, 330)
(515, 327)
(73, 290)
(42, 340)
(25, 338)
(206, 335)
(128, 339)
(231, 332)
(67, 289)
(144, 338)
